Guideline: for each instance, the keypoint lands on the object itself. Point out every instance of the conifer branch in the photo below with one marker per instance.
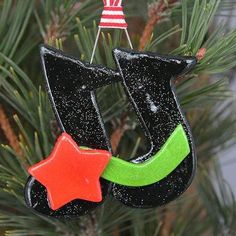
(156, 14)
(9, 133)
(212, 206)
(118, 133)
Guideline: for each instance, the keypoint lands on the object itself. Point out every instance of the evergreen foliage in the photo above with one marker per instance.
(208, 207)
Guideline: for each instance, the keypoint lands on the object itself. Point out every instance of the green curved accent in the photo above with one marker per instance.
(172, 153)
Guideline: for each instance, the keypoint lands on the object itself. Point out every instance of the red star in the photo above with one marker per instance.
(71, 173)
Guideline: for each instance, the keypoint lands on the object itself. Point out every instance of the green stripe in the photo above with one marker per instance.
(155, 169)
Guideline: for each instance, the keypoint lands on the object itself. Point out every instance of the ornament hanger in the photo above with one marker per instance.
(112, 18)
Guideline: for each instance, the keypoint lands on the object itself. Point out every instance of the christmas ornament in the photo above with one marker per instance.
(74, 180)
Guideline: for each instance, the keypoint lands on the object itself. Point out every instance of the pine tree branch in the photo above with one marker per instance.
(89, 225)
(10, 134)
(169, 217)
(201, 54)
(211, 133)
(118, 133)
(58, 27)
(156, 13)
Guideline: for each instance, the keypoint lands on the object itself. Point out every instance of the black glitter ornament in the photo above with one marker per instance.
(146, 78)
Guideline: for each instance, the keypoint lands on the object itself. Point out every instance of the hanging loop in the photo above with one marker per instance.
(113, 17)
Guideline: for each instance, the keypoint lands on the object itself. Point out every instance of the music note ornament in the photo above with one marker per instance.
(73, 180)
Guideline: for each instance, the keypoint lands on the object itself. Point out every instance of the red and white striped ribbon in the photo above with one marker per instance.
(113, 15)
